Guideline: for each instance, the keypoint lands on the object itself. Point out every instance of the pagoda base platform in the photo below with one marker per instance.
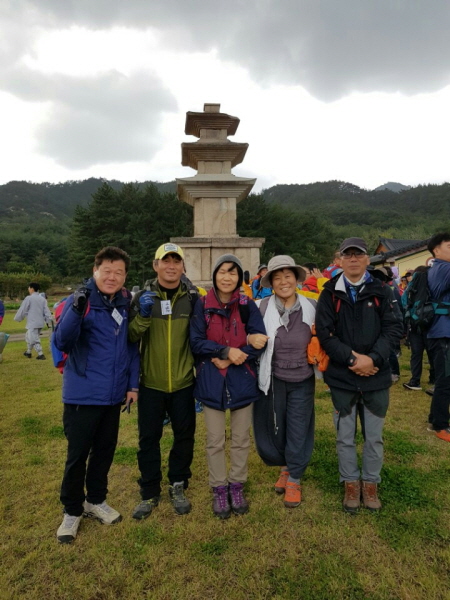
(202, 253)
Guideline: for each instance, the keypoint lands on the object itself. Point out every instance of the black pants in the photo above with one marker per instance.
(439, 411)
(419, 344)
(91, 432)
(152, 408)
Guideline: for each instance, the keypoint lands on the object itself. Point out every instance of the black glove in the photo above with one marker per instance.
(80, 299)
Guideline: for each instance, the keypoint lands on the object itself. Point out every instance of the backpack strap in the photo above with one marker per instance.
(263, 305)
(244, 309)
(194, 295)
(205, 312)
(336, 303)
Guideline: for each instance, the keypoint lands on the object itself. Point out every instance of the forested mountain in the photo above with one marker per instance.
(56, 228)
(410, 214)
(57, 200)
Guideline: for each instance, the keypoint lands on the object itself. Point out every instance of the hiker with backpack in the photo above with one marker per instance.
(358, 327)
(438, 277)
(417, 336)
(284, 416)
(101, 370)
(227, 335)
(161, 325)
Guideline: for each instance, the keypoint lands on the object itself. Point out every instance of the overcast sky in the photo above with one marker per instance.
(355, 90)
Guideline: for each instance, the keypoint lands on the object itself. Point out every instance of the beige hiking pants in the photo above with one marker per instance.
(240, 422)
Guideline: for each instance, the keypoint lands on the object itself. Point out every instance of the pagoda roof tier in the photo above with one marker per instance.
(213, 186)
(212, 151)
(210, 120)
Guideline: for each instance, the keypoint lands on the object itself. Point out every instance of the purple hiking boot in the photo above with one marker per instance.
(239, 504)
(221, 505)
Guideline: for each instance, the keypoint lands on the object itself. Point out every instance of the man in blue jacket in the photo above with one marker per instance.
(439, 335)
(102, 369)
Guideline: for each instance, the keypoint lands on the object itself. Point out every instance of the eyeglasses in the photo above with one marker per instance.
(356, 254)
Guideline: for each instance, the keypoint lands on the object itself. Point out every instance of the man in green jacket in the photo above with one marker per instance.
(167, 380)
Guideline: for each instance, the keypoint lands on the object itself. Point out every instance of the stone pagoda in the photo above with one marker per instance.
(214, 193)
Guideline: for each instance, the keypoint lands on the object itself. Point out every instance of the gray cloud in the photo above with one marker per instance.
(330, 47)
(109, 118)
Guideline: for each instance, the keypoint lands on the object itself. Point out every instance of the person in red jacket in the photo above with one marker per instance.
(335, 267)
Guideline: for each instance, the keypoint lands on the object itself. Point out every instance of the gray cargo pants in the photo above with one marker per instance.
(372, 456)
(33, 341)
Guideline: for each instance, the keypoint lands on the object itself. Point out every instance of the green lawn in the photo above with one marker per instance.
(312, 552)
(11, 326)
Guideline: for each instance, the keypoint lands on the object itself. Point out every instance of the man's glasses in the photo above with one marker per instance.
(356, 254)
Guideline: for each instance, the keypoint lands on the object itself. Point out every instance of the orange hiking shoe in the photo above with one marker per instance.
(443, 434)
(292, 494)
(281, 483)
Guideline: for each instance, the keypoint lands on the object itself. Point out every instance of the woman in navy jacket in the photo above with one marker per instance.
(222, 323)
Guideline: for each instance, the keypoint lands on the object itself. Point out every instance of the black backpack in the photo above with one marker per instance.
(420, 307)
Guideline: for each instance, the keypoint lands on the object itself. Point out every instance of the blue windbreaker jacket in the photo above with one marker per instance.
(439, 285)
(101, 365)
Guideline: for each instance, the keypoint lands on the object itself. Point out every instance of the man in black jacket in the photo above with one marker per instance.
(358, 326)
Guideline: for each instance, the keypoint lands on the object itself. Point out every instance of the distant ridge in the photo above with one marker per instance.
(392, 186)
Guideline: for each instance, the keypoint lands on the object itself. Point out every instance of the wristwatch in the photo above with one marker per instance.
(352, 360)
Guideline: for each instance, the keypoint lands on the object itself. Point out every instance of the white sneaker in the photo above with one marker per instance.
(67, 531)
(104, 513)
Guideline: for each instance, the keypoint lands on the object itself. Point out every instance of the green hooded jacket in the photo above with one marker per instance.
(167, 363)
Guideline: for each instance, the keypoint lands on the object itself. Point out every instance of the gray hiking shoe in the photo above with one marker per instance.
(180, 503)
(221, 502)
(67, 531)
(144, 508)
(102, 512)
(239, 504)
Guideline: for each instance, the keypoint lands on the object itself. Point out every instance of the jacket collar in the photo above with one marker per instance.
(212, 300)
(373, 287)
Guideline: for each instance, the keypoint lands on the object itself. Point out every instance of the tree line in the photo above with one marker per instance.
(59, 238)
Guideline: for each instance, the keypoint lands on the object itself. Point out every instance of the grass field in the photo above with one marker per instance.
(312, 552)
(11, 326)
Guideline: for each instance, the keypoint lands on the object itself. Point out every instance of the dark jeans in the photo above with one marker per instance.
(394, 364)
(439, 411)
(91, 432)
(294, 409)
(152, 408)
(419, 344)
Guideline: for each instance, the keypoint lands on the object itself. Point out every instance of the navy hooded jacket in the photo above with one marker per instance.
(236, 386)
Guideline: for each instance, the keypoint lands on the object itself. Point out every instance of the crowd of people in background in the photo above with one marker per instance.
(242, 348)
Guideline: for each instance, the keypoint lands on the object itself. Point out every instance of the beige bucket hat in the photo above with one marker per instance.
(282, 262)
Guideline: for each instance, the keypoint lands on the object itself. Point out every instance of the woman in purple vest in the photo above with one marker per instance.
(284, 418)
(221, 325)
